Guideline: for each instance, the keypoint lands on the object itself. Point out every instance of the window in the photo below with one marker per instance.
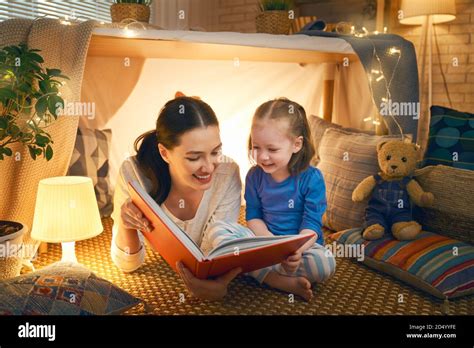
(80, 10)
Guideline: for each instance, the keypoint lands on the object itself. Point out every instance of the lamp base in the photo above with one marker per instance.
(68, 252)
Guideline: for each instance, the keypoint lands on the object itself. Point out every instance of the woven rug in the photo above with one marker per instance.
(354, 289)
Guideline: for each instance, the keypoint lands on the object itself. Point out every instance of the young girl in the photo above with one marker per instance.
(284, 196)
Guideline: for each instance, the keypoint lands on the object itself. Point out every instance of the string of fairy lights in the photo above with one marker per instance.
(377, 75)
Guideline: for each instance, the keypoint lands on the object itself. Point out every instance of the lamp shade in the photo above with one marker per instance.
(415, 11)
(66, 210)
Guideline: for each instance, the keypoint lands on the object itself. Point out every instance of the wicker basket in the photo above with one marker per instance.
(138, 12)
(273, 22)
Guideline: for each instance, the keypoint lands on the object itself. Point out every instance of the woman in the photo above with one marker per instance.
(180, 164)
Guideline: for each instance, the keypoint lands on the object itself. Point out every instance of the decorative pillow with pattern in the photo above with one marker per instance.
(439, 265)
(91, 158)
(63, 289)
(451, 139)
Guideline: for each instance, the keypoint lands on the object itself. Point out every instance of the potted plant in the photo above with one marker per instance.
(29, 102)
(138, 10)
(11, 252)
(274, 17)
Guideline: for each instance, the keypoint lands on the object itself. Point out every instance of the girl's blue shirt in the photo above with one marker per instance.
(287, 207)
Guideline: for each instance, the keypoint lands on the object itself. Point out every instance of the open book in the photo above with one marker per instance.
(175, 245)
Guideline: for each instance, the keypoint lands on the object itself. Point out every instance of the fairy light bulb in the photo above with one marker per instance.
(394, 50)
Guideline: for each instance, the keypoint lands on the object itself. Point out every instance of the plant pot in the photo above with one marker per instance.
(138, 12)
(11, 248)
(273, 22)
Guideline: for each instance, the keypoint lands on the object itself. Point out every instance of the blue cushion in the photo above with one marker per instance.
(451, 138)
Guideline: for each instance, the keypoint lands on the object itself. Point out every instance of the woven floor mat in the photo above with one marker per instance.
(354, 289)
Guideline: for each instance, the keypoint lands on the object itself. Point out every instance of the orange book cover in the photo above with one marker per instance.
(174, 245)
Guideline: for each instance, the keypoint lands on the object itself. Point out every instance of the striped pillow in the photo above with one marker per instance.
(346, 159)
(319, 125)
(439, 265)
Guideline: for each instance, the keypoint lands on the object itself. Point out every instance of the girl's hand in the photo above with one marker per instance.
(132, 217)
(207, 289)
(291, 264)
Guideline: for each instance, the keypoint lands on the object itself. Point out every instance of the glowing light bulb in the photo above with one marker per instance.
(129, 32)
(380, 78)
(394, 50)
(377, 123)
(367, 119)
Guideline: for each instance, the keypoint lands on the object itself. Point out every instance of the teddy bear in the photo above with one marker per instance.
(389, 207)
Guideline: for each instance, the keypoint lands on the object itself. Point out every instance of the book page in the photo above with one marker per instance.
(247, 243)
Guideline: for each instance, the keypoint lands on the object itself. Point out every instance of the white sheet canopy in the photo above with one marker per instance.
(130, 74)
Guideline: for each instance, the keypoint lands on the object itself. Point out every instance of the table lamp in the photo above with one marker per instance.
(66, 211)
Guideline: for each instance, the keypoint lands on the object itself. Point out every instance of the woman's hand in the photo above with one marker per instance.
(132, 217)
(207, 289)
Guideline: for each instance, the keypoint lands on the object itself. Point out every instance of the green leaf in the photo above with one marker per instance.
(54, 104)
(44, 86)
(32, 152)
(49, 153)
(7, 93)
(41, 106)
(36, 57)
(3, 123)
(7, 151)
(41, 140)
(53, 72)
(38, 151)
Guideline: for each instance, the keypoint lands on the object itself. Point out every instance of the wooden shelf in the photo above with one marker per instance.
(109, 46)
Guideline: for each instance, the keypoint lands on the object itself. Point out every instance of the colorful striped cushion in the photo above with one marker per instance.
(439, 265)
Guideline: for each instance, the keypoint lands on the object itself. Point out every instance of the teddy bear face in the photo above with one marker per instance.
(397, 158)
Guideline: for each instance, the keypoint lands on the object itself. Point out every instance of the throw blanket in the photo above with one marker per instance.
(404, 86)
(64, 47)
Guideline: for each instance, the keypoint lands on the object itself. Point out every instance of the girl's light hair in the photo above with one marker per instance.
(285, 109)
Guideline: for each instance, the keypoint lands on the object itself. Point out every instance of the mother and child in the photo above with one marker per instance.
(180, 163)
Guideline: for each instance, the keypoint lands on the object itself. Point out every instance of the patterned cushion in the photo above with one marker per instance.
(63, 289)
(318, 126)
(439, 265)
(452, 211)
(451, 139)
(91, 158)
(346, 159)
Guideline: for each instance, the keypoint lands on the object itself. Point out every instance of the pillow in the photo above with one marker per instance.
(451, 138)
(319, 125)
(453, 211)
(439, 265)
(346, 159)
(91, 158)
(63, 289)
